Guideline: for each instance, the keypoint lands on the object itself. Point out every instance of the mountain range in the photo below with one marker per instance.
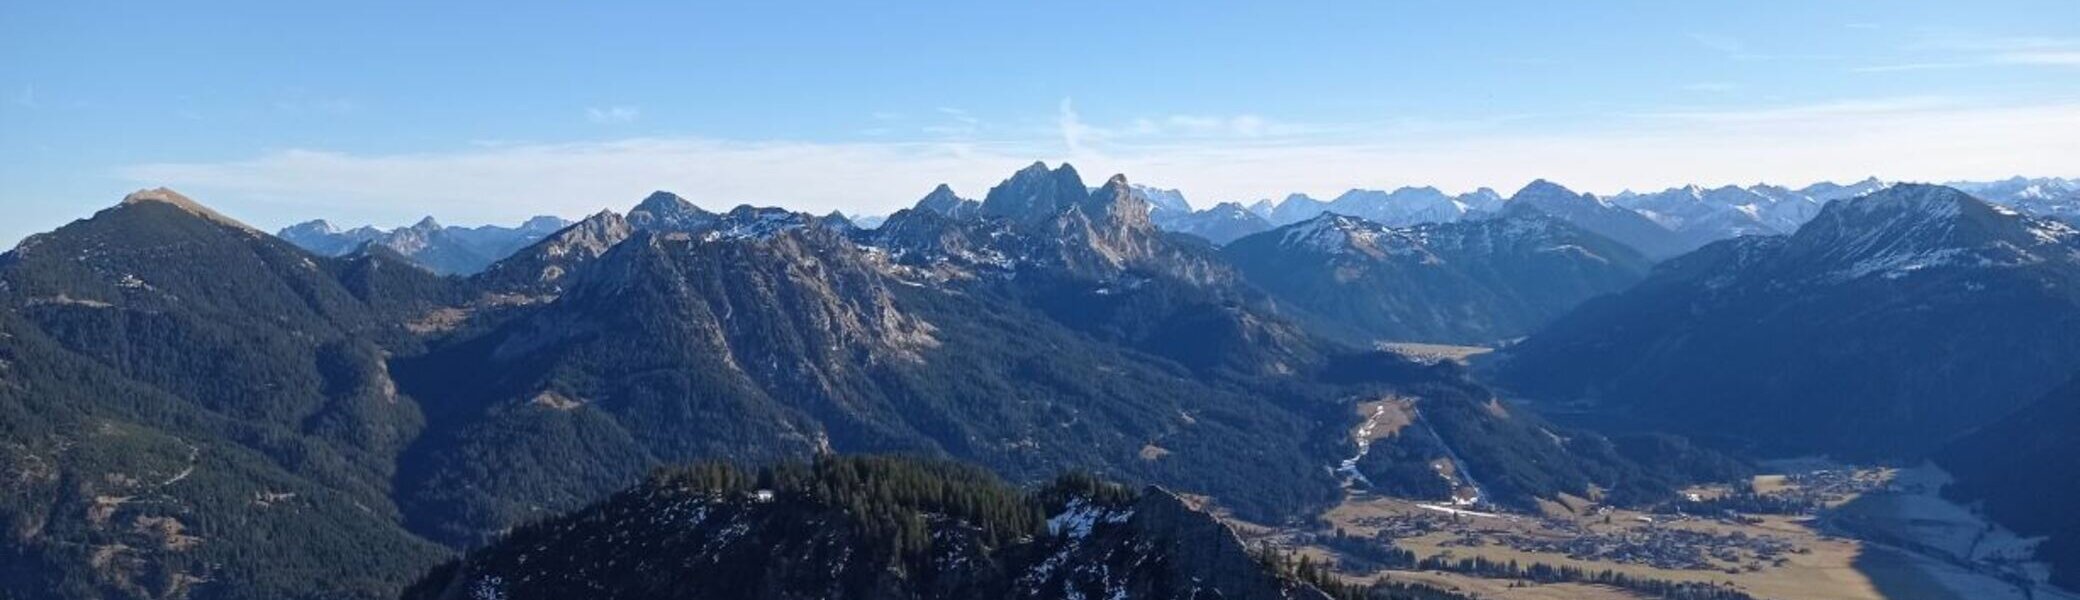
(1691, 215)
(1468, 282)
(1887, 325)
(196, 408)
(445, 250)
(207, 410)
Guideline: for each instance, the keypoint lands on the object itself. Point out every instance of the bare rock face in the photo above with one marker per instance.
(542, 267)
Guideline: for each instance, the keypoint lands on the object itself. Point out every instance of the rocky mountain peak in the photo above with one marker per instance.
(1909, 228)
(1117, 198)
(747, 221)
(667, 211)
(542, 266)
(1337, 234)
(663, 202)
(168, 197)
(1035, 193)
(311, 227)
(1163, 201)
(942, 200)
(544, 224)
(1542, 189)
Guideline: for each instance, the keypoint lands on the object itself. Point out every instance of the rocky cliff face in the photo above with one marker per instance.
(541, 268)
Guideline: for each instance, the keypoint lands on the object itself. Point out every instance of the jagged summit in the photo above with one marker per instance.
(1602, 217)
(1163, 203)
(944, 201)
(1035, 193)
(1117, 197)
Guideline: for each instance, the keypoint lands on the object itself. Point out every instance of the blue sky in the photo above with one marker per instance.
(376, 112)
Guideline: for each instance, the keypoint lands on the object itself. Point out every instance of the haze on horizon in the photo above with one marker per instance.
(385, 113)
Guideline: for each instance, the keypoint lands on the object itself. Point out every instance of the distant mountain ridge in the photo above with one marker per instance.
(442, 249)
(1885, 326)
(1466, 282)
(1695, 215)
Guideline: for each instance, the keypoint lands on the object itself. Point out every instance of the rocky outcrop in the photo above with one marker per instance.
(1206, 552)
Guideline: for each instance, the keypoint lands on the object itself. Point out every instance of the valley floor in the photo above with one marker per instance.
(1885, 534)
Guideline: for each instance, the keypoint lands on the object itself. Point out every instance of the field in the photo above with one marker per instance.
(1434, 352)
(1909, 544)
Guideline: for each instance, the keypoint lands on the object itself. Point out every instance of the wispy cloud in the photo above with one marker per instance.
(27, 97)
(303, 102)
(1920, 66)
(1969, 52)
(1723, 44)
(1839, 109)
(1074, 132)
(613, 115)
(1735, 48)
(2057, 58)
(1711, 86)
(954, 123)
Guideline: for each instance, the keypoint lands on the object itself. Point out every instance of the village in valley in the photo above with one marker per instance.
(1810, 529)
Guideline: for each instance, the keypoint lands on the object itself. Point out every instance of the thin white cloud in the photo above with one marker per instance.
(1907, 138)
(1074, 132)
(613, 115)
(1723, 44)
(954, 124)
(1838, 109)
(301, 102)
(2056, 58)
(27, 97)
(1970, 52)
(508, 181)
(1738, 49)
(1920, 66)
